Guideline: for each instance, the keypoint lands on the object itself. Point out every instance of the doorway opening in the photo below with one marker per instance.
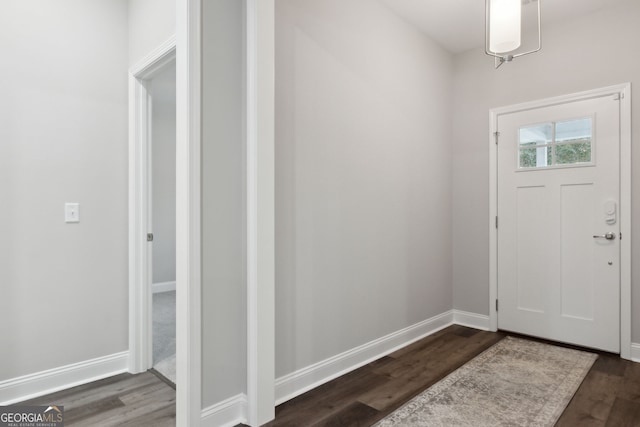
(152, 213)
(162, 89)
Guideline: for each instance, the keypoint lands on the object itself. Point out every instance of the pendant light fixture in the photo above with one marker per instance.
(503, 29)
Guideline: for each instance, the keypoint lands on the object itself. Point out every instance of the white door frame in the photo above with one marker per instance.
(625, 200)
(184, 48)
(188, 213)
(140, 210)
(260, 135)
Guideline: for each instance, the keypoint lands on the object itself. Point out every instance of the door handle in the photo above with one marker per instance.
(609, 236)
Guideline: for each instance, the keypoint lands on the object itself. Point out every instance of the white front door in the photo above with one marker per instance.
(558, 222)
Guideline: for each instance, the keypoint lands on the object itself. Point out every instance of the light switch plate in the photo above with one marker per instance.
(71, 212)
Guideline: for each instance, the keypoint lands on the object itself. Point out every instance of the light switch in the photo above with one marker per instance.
(71, 212)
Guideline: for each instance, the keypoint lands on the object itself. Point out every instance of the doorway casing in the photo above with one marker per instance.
(188, 327)
(624, 90)
(140, 313)
(185, 48)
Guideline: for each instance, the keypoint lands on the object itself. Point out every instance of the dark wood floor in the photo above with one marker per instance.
(609, 395)
(124, 400)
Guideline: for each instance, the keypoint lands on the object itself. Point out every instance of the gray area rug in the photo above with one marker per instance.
(516, 382)
(164, 334)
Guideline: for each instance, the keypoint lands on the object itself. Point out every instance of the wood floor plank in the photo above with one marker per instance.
(138, 395)
(164, 417)
(397, 391)
(411, 363)
(380, 363)
(610, 364)
(631, 388)
(464, 332)
(85, 395)
(421, 344)
(155, 402)
(356, 414)
(87, 392)
(81, 413)
(624, 413)
(122, 400)
(326, 399)
(592, 402)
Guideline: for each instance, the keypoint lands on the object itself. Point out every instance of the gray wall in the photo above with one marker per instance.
(163, 93)
(63, 138)
(151, 23)
(223, 217)
(363, 178)
(589, 52)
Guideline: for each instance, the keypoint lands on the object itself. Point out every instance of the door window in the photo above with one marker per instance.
(556, 144)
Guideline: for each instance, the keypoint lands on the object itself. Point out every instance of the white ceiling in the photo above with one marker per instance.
(458, 25)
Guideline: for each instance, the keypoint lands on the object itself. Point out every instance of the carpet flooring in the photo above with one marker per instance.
(515, 382)
(164, 334)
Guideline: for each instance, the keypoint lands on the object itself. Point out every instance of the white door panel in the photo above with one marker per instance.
(555, 280)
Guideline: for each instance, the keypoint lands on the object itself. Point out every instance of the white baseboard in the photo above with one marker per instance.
(228, 413)
(41, 383)
(305, 379)
(156, 288)
(471, 320)
(635, 352)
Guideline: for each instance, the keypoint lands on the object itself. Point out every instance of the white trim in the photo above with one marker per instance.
(228, 413)
(625, 200)
(252, 214)
(155, 61)
(42, 383)
(635, 352)
(625, 222)
(305, 379)
(140, 321)
(563, 99)
(188, 213)
(260, 122)
(471, 320)
(157, 288)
